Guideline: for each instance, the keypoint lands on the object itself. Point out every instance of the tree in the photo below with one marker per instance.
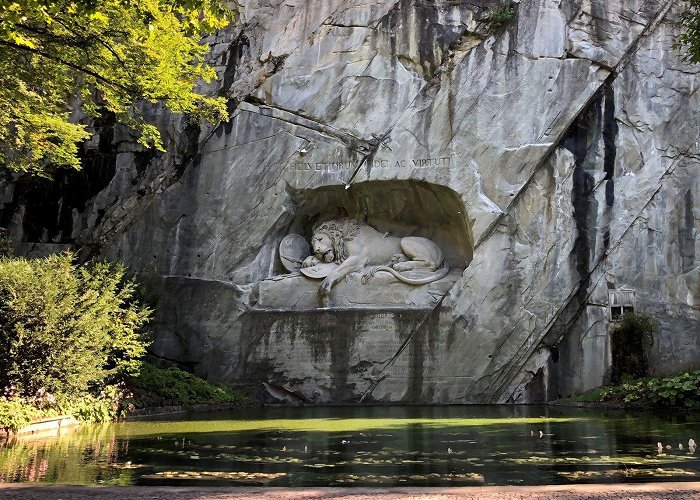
(60, 59)
(65, 329)
(690, 38)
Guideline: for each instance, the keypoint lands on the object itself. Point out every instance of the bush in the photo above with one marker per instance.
(165, 387)
(111, 403)
(67, 329)
(502, 15)
(631, 342)
(680, 390)
(15, 413)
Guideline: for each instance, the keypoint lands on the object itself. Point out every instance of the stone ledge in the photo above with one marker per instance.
(44, 427)
(294, 292)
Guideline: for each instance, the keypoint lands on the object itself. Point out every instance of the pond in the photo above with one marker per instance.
(368, 446)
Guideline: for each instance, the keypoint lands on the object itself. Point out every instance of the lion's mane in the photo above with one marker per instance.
(340, 231)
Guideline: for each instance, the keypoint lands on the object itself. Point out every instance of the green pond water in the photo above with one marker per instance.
(341, 446)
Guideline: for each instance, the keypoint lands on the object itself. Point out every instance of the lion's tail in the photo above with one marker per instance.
(434, 276)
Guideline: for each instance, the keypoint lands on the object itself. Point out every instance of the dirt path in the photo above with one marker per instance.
(670, 491)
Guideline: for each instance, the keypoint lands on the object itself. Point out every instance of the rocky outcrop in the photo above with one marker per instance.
(553, 158)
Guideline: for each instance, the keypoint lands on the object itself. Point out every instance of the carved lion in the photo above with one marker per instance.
(355, 245)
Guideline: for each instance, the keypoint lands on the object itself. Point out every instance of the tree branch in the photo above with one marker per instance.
(67, 63)
(96, 37)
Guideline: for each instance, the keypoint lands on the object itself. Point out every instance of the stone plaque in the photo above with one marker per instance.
(293, 250)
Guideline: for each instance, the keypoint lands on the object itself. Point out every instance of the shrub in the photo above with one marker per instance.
(502, 15)
(163, 387)
(111, 403)
(631, 341)
(679, 390)
(65, 329)
(15, 413)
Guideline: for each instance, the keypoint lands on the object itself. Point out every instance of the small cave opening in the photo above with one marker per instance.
(398, 207)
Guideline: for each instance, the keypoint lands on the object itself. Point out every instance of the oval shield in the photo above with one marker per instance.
(293, 250)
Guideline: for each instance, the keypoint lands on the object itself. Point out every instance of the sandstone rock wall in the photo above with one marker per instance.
(553, 157)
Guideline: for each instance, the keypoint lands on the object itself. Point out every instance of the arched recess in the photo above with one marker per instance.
(398, 207)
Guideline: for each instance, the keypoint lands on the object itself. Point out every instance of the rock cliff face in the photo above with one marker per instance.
(553, 158)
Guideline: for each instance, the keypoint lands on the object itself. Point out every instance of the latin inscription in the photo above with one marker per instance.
(380, 322)
(332, 167)
(336, 167)
(443, 161)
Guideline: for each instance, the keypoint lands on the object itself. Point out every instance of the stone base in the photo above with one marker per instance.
(296, 292)
(330, 355)
(43, 428)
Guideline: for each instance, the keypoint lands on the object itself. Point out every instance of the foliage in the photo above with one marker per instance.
(111, 403)
(679, 390)
(16, 412)
(66, 329)
(631, 341)
(70, 338)
(587, 397)
(502, 15)
(164, 387)
(5, 243)
(63, 58)
(690, 37)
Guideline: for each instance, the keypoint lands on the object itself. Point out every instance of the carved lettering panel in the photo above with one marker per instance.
(342, 166)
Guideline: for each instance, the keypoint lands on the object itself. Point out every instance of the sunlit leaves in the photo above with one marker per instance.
(32, 129)
(63, 59)
(66, 329)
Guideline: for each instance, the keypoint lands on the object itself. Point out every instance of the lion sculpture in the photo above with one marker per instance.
(355, 246)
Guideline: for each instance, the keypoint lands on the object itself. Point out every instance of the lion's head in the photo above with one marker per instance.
(330, 239)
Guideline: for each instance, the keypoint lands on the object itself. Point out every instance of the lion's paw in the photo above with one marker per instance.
(367, 275)
(404, 266)
(325, 288)
(310, 261)
(396, 258)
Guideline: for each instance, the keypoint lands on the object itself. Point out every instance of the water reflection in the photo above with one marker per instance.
(86, 456)
(366, 446)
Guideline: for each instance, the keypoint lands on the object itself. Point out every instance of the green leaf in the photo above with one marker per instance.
(62, 56)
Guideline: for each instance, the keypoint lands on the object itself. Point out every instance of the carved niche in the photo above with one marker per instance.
(376, 245)
(343, 247)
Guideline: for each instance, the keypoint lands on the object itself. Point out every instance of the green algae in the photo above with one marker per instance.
(191, 427)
